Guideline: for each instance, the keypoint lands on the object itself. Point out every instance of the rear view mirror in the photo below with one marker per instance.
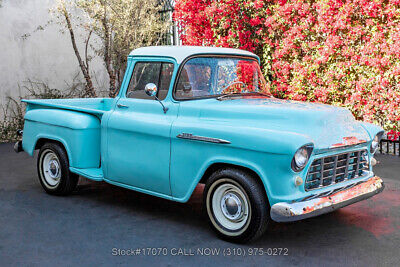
(151, 90)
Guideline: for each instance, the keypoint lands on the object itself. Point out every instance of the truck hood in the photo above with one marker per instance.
(326, 126)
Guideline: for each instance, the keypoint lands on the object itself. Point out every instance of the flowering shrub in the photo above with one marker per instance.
(246, 74)
(345, 53)
(393, 135)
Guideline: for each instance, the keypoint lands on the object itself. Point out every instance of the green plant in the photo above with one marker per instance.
(13, 110)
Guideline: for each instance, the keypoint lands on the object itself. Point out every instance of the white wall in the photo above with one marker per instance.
(45, 55)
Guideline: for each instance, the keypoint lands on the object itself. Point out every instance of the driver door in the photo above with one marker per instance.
(138, 134)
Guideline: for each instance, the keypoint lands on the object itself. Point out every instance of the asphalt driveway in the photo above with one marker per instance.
(100, 220)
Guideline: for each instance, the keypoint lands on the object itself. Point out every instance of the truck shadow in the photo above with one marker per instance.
(365, 219)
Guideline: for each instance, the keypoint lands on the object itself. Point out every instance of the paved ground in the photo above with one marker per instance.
(38, 229)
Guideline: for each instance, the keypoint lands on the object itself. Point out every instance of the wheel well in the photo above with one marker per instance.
(216, 166)
(43, 141)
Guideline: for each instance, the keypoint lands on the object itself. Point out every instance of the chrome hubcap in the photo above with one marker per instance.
(51, 168)
(231, 206)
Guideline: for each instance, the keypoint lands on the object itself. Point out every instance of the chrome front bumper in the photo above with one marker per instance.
(287, 212)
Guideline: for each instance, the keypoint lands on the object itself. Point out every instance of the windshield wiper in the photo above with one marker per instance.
(228, 95)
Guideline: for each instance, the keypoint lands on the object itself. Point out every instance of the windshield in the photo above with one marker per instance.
(215, 76)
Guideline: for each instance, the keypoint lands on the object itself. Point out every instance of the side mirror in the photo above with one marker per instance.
(151, 90)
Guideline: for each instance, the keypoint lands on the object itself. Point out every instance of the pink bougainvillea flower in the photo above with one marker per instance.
(345, 53)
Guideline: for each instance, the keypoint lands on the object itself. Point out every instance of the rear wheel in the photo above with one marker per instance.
(53, 170)
(236, 205)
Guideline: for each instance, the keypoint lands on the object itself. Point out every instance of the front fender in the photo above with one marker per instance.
(372, 129)
(191, 159)
(266, 152)
(222, 160)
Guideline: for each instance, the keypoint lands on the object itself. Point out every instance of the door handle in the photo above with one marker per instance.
(122, 106)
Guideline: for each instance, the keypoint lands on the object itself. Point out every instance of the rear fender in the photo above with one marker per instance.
(78, 132)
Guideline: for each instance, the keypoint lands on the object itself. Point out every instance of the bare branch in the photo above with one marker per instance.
(84, 69)
(86, 50)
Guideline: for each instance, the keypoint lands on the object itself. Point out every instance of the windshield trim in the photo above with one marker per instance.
(178, 74)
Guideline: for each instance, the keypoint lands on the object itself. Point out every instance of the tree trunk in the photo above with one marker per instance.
(107, 53)
(84, 67)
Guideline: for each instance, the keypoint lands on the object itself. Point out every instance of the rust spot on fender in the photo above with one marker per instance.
(348, 141)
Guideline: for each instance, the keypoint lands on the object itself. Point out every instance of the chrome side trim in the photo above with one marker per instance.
(295, 211)
(202, 138)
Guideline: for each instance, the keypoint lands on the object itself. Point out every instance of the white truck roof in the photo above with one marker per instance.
(180, 53)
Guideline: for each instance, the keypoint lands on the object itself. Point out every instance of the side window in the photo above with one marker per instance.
(150, 72)
(165, 80)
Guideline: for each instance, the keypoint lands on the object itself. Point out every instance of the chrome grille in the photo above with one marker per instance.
(336, 168)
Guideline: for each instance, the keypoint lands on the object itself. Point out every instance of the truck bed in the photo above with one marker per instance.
(96, 106)
(75, 123)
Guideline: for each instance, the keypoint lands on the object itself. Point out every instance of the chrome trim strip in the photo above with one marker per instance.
(314, 206)
(321, 180)
(202, 138)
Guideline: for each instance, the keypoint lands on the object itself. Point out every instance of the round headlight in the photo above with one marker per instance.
(374, 144)
(301, 158)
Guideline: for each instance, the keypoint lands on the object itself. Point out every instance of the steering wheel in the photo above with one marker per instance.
(229, 85)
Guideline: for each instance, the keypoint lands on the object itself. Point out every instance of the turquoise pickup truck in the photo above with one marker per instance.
(190, 115)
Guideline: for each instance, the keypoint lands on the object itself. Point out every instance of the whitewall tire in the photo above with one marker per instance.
(236, 205)
(53, 170)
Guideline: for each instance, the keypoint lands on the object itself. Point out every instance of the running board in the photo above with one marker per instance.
(95, 174)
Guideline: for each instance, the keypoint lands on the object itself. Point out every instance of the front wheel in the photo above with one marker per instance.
(53, 170)
(236, 205)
